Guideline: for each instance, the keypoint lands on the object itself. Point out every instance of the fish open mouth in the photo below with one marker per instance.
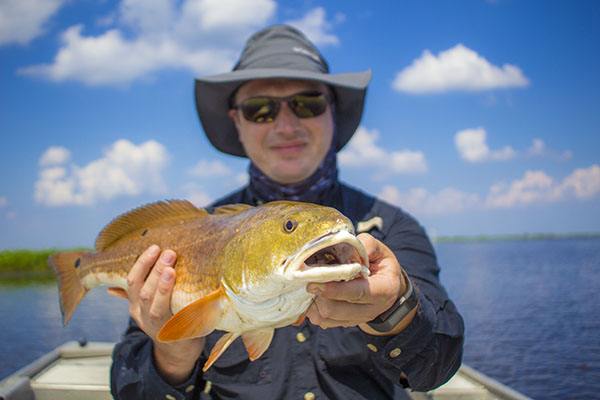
(333, 257)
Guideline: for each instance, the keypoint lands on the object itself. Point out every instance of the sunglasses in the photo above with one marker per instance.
(264, 109)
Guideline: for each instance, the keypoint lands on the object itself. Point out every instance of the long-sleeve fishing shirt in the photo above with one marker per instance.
(307, 362)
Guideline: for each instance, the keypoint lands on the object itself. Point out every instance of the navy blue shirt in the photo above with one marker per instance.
(338, 363)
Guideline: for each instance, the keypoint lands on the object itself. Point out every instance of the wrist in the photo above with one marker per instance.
(176, 361)
(396, 318)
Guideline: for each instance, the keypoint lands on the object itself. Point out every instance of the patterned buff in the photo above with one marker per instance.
(312, 189)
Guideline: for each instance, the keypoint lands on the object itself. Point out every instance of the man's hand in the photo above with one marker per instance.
(359, 301)
(150, 283)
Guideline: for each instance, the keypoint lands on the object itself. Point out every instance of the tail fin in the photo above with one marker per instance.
(70, 288)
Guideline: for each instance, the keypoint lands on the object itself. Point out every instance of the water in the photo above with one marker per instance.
(531, 312)
(529, 307)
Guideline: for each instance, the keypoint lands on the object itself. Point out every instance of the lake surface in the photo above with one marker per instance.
(530, 308)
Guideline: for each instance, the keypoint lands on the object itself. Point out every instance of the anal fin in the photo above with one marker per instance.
(257, 342)
(219, 348)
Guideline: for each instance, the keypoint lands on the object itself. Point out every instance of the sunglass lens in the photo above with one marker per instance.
(308, 105)
(259, 109)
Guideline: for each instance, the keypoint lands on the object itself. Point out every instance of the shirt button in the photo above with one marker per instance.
(170, 397)
(301, 339)
(372, 347)
(395, 353)
(309, 396)
(189, 388)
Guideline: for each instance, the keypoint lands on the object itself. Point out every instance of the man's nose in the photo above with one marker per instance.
(286, 121)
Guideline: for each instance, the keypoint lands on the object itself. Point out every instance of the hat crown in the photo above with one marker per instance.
(281, 46)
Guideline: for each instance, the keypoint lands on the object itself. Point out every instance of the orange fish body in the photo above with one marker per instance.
(240, 269)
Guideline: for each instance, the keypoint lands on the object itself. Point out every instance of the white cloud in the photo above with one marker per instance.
(535, 187)
(583, 183)
(472, 147)
(148, 16)
(203, 36)
(23, 20)
(538, 187)
(538, 148)
(230, 14)
(197, 195)
(362, 150)
(242, 178)
(458, 68)
(3, 201)
(315, 26)
(125, 169)
(420, 201)
(55, 155)
(208, 169)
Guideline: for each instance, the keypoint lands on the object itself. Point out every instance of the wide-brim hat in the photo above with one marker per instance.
(279, 51)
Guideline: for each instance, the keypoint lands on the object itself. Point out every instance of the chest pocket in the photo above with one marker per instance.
(342, 347)
(234, 366)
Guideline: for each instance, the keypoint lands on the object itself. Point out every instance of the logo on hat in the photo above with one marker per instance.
(306, 52)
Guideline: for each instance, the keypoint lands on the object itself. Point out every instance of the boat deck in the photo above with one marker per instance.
(82, 372)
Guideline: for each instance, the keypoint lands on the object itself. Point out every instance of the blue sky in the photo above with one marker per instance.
(481, 118)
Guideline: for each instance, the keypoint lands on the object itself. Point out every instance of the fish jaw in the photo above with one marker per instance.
(342, 246)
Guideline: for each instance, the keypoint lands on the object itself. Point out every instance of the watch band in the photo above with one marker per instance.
(386, 321)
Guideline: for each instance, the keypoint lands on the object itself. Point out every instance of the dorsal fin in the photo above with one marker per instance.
(147, 216)
(231, 208)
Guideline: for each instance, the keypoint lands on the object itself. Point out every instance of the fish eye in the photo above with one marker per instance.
(290, 225)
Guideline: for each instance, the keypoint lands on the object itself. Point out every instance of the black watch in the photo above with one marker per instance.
(386, 321)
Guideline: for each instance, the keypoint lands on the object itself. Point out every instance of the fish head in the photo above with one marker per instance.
(288, 244)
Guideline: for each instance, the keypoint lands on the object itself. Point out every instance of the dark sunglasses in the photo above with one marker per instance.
(263, 109)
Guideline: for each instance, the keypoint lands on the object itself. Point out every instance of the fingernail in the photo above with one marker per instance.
(167, 257)
(165, 277)
(153, 250)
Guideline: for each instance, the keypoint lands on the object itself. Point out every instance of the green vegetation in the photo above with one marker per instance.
(24, 266)
(516, 237)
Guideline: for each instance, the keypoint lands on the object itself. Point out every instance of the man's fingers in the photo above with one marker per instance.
(355, 291)
(166, 259)
(139, 271)
(344, 311)
(161, 305)
(316, 318)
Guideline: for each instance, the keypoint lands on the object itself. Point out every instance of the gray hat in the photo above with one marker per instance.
(279, 51)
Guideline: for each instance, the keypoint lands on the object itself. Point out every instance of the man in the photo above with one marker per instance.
(367, 338)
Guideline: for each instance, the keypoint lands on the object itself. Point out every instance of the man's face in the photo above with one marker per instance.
(288, 149)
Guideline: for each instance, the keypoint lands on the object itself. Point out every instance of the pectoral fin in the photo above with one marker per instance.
(219, 348)
(197, 319)
(257, 342)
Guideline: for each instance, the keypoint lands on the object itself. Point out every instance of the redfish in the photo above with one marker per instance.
(239, 269)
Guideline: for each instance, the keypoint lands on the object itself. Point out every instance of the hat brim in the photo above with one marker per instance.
(213, 94)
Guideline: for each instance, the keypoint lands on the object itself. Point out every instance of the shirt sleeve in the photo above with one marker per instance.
(429, 351)
(133, 373)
